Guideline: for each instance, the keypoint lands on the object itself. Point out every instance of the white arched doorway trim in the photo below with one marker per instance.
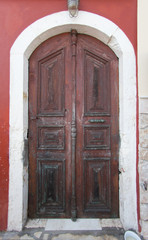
(109, 33)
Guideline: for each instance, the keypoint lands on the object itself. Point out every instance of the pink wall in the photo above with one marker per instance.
(15, 16)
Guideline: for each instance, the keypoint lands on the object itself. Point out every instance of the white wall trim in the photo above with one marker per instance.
(109, 33)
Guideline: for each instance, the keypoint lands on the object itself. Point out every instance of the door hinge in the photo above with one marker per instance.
(28, 133)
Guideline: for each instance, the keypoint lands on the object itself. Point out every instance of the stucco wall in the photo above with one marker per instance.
(143, 113)
(143, 48)
(15, 16)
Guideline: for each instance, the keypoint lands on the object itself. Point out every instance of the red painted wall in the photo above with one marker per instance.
(16, 15)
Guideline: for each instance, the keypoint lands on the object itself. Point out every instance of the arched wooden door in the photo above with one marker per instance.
(73, 129)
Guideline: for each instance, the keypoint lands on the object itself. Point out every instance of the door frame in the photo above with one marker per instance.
(110, 34)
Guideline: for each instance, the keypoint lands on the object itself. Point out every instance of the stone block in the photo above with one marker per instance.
(69, 236)
(143, 195)
(143, 171)
(68, 225)
(143, 137)
(37, 234)
(10, 236)
(16, 237)
(111, 223)
(106, 237)
(36, 223)
(145, 229)
(26, 237)
(144, 212)
(45, 237)
(143, 154)
(143, 121)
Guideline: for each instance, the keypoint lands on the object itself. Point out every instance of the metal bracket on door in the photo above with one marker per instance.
(96, 120)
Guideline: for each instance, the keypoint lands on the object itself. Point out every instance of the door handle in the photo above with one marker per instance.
(96, 120)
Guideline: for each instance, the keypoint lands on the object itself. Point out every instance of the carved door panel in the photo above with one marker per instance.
(73, 128)
(97, 129)
(49, 129)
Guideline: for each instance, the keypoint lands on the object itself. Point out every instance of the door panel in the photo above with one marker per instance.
(49, 129)
(73, 128)
(96, 137)
(96, 185)
(97, 129)
(96, 81)
(51, 185)
(51, 137)
(51, 85)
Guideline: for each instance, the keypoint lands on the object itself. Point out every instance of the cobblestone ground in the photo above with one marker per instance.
(40, 233)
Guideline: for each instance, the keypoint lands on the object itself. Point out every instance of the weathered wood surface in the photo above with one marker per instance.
(73, 128)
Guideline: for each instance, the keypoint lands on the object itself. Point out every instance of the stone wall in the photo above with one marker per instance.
(143, 164)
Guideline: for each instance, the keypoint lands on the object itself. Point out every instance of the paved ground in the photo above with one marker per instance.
(40, 233)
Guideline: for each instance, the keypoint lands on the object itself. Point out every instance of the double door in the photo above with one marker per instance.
(73, 129)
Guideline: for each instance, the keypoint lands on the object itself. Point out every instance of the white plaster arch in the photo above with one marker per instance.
(109, 33)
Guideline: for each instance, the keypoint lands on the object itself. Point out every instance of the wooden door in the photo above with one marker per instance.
(73, 129)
